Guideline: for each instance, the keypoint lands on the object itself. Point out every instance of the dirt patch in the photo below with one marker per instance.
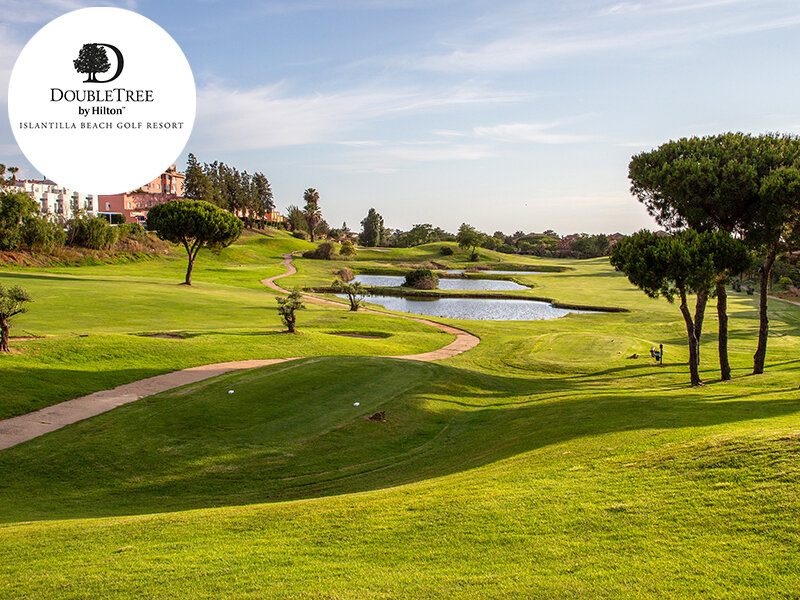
(364, 336)
(378, 417)
(24, 338)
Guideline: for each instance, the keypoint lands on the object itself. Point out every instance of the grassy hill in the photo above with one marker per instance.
(544, 463)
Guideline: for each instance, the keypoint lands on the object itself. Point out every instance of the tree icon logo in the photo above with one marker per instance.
(93, 59)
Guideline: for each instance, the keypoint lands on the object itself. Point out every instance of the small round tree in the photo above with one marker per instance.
(195, 224)
(12, 303)
(355, 293)
(470, 238)
(288, 306)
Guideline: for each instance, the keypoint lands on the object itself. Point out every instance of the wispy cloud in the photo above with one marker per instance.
(385, 157)
(621, 8)
(522, 42)
(10, 48)
(540, 133)
(40, 11)
(268, 117)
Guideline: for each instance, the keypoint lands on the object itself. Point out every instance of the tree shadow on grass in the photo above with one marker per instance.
(189, 449)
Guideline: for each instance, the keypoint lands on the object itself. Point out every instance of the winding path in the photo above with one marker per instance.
(26, 427)
(464, 341)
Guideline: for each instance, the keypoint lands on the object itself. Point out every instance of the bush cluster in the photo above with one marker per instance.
(347, 249)
(38, 235)
(422, 279)
(94, 233)
(324, 251)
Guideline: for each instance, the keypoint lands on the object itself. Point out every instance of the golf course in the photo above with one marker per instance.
(550, 458)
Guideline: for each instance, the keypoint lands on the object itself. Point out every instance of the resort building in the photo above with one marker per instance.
(56, 202)
(135, 204)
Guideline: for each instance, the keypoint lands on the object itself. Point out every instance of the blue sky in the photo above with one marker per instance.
(507, 115)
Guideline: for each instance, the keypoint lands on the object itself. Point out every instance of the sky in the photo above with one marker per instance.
(509, 115)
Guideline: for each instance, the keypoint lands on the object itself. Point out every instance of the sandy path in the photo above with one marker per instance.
(26, 427)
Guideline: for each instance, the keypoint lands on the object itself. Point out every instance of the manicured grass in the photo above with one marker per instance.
(544, 463)
(95, 320)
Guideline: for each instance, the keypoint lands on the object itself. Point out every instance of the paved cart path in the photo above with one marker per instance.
(26, 427)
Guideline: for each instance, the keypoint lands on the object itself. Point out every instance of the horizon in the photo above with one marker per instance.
(510, 116)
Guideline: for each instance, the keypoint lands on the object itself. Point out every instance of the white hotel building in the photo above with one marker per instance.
(58, 202)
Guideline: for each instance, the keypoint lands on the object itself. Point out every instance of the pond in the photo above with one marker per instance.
(480, 309)
(444, 284)
(493, 272)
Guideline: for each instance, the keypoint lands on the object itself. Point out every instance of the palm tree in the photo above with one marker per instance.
(311, 211)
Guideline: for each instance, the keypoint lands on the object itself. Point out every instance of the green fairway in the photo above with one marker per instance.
(544, 463)
(97, 322)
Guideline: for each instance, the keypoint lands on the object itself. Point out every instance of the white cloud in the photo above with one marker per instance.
(528, 132)
(392, 157)
(621, 8)
(266, 117)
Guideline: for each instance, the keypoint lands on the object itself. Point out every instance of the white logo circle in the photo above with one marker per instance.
(101, 100)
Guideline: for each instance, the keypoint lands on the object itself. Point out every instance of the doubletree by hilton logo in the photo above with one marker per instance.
(93, 59)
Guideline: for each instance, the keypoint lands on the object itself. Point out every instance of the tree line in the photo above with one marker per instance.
(247, 196)
(375, 233)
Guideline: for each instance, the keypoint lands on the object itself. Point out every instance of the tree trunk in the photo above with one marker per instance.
(694, 356)
(763, 327)
(4, 336)
(699, 316)
(722, 338)
(189, 271)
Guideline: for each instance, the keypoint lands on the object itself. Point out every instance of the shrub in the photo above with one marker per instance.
(347, 249)
(9, 238)
(785, 282)
(422, 279)
(94, 233)
(132, 230)
(117, 219)
(15, 208)
(345, 274)
(39, 235)
(300, 235)
(322, 252)
(446, 251)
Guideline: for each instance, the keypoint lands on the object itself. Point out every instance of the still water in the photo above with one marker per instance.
(480, 309)
(458, 271)
(444, 284)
